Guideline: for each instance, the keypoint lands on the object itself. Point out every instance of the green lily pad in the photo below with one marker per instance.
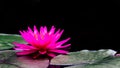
(8, 59)
(27, 62)
(6, 40)
(8, 66)
(5, 57)
(108, 62)
(9, 38)
(4, 46)
(6, 54)
(82, 57)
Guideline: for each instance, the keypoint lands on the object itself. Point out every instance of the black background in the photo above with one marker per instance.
(90, 24)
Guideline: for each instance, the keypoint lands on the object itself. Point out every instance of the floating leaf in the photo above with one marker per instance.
(4, 46)
(6, 54)
(5, 57)
(82, 57)
(8, 59)
(8, 66)
(108, 62)
(27, 62)
(7, 39)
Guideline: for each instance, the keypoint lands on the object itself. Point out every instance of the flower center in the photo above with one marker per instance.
(36, 36)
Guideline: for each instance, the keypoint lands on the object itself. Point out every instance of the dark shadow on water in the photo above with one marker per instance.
(57, 66)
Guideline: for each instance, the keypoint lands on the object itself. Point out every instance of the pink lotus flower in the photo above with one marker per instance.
(42, 43)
